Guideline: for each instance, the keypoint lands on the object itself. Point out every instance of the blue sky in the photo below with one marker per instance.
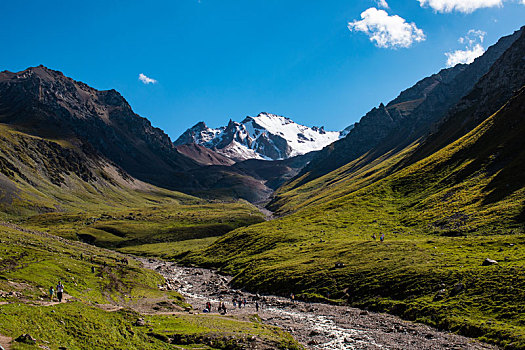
(218, 59)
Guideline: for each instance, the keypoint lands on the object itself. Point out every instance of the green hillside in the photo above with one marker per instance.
(40, 175)
(441, 216)
(103, 305)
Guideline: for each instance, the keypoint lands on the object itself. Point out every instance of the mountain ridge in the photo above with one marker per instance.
(408, 117)
(266, 136)
(45, 103)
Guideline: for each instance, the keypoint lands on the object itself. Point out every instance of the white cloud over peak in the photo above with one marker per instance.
(387, 31)
(464, 56)
(146, 80)
(384, 4)
(473, 48)
(465, 6)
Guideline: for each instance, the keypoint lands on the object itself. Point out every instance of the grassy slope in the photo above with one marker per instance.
(442, 217)
(161, 230)
(32, 262)
(39, 175)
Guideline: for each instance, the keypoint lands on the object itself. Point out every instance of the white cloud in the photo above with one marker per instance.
(465, 6)
(387, 31)
(146, 80)
(473, 48)
(473, 36)
(464, 56)
(384, 4)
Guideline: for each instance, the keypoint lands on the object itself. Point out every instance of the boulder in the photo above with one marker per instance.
(26, 339)
(140, 322)
(458, 287)
(488, 262)
(440, 295)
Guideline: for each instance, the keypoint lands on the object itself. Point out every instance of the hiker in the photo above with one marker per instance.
(292, 298)
(234, 301)
(60, 291)
(208, 305)
(257, 306)
(382, 238)
(51, 293)
(243, 302)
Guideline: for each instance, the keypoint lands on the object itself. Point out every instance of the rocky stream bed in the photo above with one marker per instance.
(315, 325)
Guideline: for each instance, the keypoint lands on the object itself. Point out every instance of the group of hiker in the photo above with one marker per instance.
(381, 238)
(237, 303)
(59, 292)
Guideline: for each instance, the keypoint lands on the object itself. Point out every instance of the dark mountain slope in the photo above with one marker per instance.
(39, 175)
(406, 118)
(203, 155)
(45, 103)
(505, 77)
(253, 180)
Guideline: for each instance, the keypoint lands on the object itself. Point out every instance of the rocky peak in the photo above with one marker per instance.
(266, 136)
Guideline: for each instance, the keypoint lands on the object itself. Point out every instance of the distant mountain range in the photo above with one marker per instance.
(266, 136)
(89, 130)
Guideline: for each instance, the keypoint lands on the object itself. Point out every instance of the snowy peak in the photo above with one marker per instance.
(266, 136)
(200, 133)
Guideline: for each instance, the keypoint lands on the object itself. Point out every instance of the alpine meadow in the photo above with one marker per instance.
(323, 219)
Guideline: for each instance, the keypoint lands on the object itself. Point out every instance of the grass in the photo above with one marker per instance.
(169, 250)
(441, 216)
(161, 230)
(78, 326)
(31, 262)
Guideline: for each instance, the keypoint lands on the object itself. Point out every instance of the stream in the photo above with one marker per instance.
(315, 325)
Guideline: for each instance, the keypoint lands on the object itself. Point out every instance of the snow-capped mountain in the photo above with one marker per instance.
(266, 136)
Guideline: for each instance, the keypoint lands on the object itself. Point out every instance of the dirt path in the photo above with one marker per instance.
(317, 326)
(5, 342)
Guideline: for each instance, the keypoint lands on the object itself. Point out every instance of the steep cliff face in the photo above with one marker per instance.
(43, 102)
(409, 116)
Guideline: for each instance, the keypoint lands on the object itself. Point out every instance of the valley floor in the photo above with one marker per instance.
(315, 325)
